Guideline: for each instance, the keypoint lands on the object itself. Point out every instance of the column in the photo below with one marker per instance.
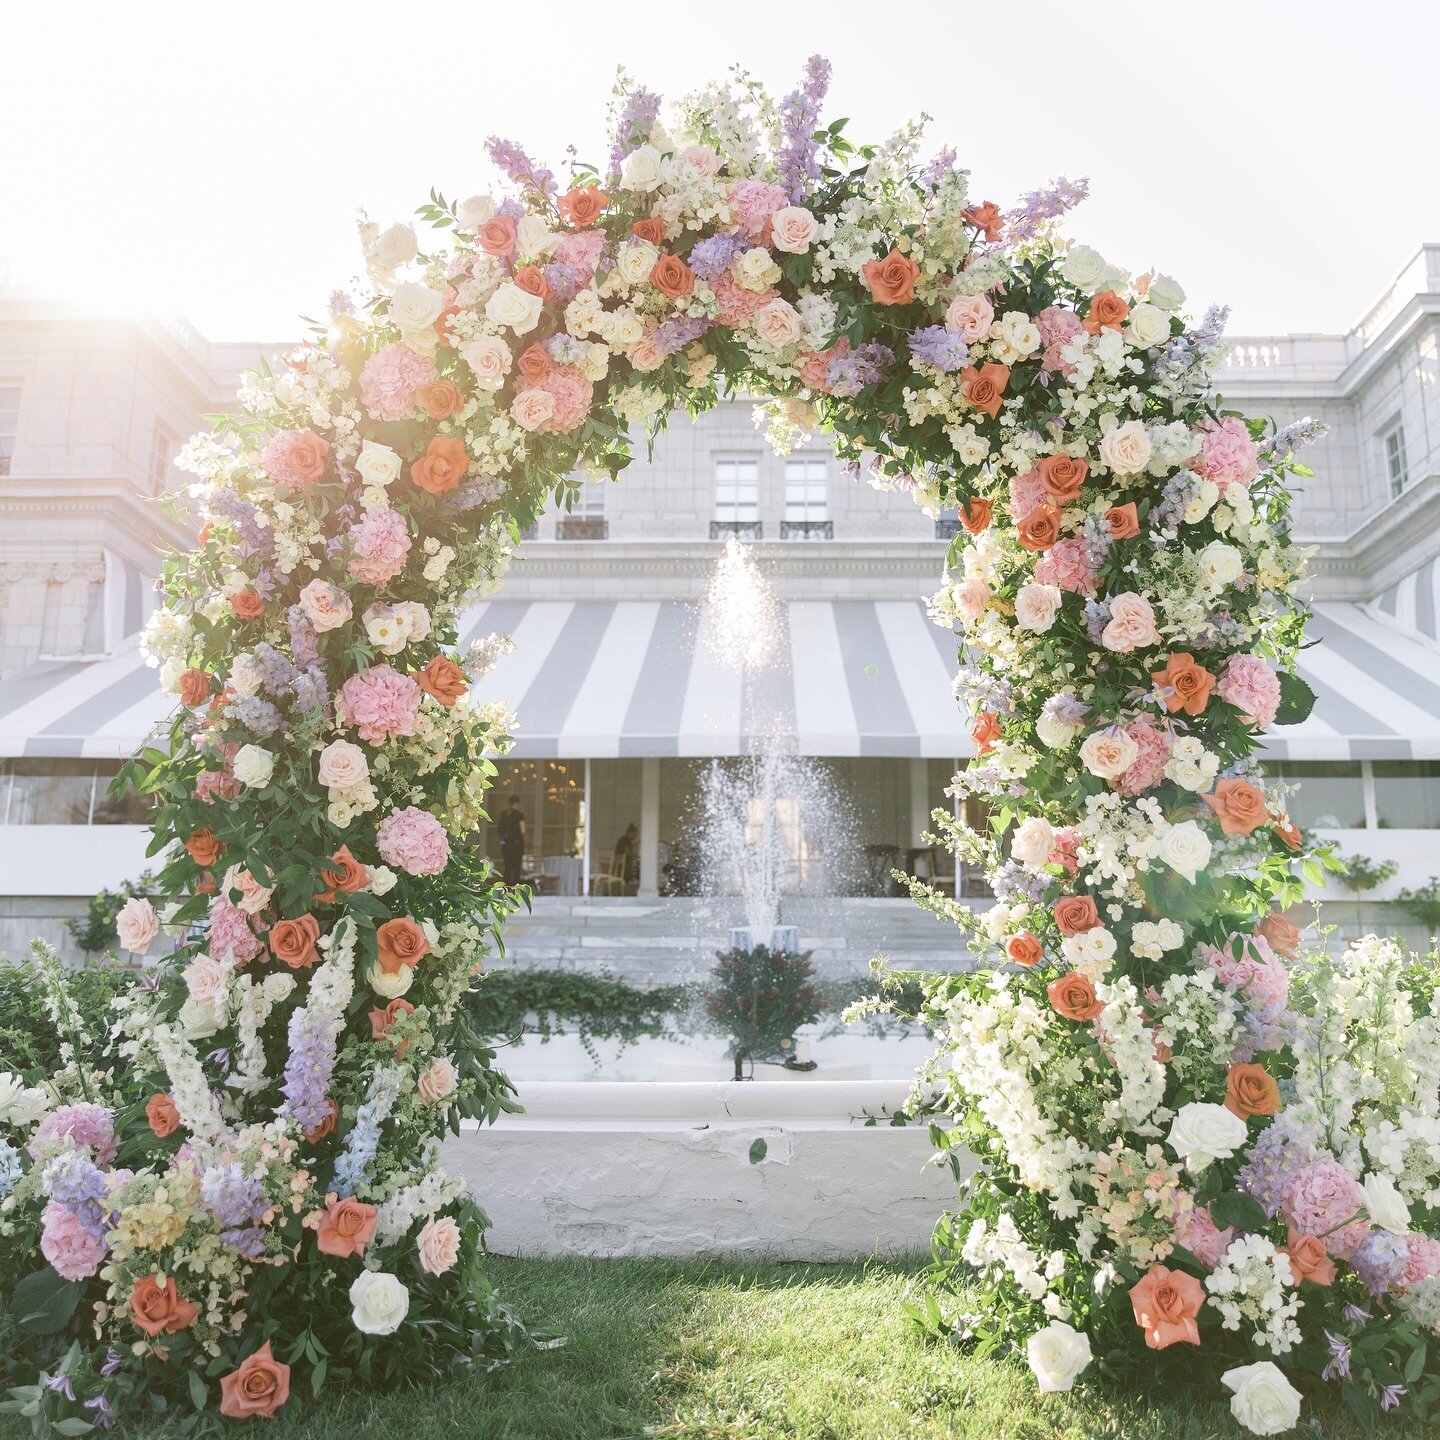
(650, 826)
(589, 826)
(919, 802)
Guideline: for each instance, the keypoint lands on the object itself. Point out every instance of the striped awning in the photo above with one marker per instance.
(599, 679)
(1414, 602)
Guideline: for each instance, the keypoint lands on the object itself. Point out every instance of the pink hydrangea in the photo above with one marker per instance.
(295, 458)
(92, 1126)
(68, 1246)
(752, 204)
(414, 840)
(1064, 564)
(1057, 329)
(1148, 769)
(389, 380)
(581, 252)
(1424, 1261)
(1026, 492)
(1248, 964)
(231, 936)
(380, 703)
(1195, 1230)
(1253, 688)
(573, 394)
(1228, 455)
(213, 785)
(737, 305)
(381, 542)
(1322, 1200)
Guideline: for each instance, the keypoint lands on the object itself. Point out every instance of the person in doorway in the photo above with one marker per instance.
(511, 826)
(626, 861)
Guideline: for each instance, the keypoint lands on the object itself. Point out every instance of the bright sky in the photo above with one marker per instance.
(209, 159)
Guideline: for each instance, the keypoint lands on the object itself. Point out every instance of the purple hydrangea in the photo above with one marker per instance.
(256, 541)
(676, 333)
(865, 365)
(565, 281)
(1380, 1260)
(1273, 1160)
(234, 1197)
(257, 716)
(74, 1181)
(938, 347)
(712, 256)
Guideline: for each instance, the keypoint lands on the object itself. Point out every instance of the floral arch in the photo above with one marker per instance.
(245, 1192)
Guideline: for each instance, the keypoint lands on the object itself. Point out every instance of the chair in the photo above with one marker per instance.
(607, 882)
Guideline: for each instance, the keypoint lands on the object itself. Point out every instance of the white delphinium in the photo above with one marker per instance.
(251, 1005)
(1253, 1283)
(434, 1191)
(189, 1089)
(1131, 1045)
(1002, 1246)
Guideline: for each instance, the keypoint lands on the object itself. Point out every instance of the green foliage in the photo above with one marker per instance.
(29, 1045)
(1424, 903)
(1361, 873)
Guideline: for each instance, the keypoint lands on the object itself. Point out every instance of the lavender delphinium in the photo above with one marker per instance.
(312, 690)
(1290, 438)
(1047, 203)
(304, 642)
(311, 1035)
(939, 347)
(1274, 1158)
(352, 1170)
(637, 120)
(1097, 617)
(675, 334)
(987, 692)
(1096, 540)
(258, 716)
(798, 160)
(519, 167)
(942, 164)
(255, 541)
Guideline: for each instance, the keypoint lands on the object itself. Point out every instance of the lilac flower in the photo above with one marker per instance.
(938, 169)
(938, 347)
(1380, 1261)
(637, 120)
(101, 1406)
(304, 642)
(114, 1361)
(1048, 203)
(973, 686)
(277, 674)
(256, 541)
(478, 490)
(1096, 539)
(712, 256)
(340, 304)
(311, 1036)
(848, 375)
(519, 167)
(1339, 1366)
(1012, 882)
(1391, 1396)
(798, 160)
(249, 1240)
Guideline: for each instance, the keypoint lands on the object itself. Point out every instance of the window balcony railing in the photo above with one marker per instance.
(807, 529)
(582, 527)
(740, 529)
(947, 527)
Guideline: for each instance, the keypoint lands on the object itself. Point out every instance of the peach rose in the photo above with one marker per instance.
(345, 1227)
(778, 324)
(206, 979)
(971, 316)
(383, 1021)
(204, 848)
(194, 688)
(671, 276)
(652, 228)
(1123, 521)
(1166, 1303)
(1289, 833)
(438, 1244)
(159, 1309)
(891, 280)
(1187, 686)
(530, 409)
(581, 208)
(292, 942)
(986, 731)
(254, 896)
(792, 229)
(531, 279)
(972, 597)
(1239, 806)
(1073, 997)
(443, 679)
(137, 925)
(326, 1126)
(438, 1081)
(400, 942)
(246, 605)
(976, 514)
(442, 467)
(440, 400)
(326, 606)
(258, 1388)
(1107, 312)
(1024, 949)
(164, 1118)
(1308, 1260)
(1249, 1090)
(986, 219)
(1040, 529)
(1075, 914)
(342, 766)
(1283, 937)
(344, 876)
(984, 388)
(497, 236)
(1131, 625)
(1062, 476)
(489, 360)
(534, 365)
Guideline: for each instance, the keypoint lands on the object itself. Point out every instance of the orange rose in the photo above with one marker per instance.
(1238, 806)
(441, 325)
(1283, 937)
(204, 848)
(1183, 684)
(1040, 529)
(1166, 1303)
(891, 280)
(1250, 1091)
(1075, 914)
(1107, 312)
(534, 364)
(443, 679)
(1063, 476)
(292, 942)
(194, 688)
(383, 1021)
(164, 1118)
(671, 276)
(1289, 833)
(1308, 1260)
(975, 515)
(1124, 523)
(346, 1227)
(1024, 949)
(246, 605)
(985, 218)
(259, 1387)
(652, 228)
(318, 1132)
(986, 731)
(440, 400)
(497, 236)
(344, 877)
(158, 1309)
(984, 387)
(205, 885)
(442, 467)
(1073, 996)
(581, 208)
(400, 942)
(531, 278)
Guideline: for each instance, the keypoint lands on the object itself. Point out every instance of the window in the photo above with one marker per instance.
(806, 501)
(737, 500)
(1407, 794)
(1396, 466)
(586, 518)
(162, 449)
(65, 792)
(1330, 793)
(9, 424)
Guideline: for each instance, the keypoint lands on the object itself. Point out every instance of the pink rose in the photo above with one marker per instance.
(295, 458)
(68, 1246)
(1323, 1200)
(137, 925)
(1132, 624)
(702, 159)
(414, 840)
(647, 354)
(970, 316)
(438, 1080)
(530, 409)
(439, 1245)
(490, 359)
(254, 896)
(792, 229)
(972, 597)
(326, 606)
(206, 979)
(343, 766)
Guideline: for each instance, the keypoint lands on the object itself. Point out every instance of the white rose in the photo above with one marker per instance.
(1034, 839)
(489, 357)
(415, 307)
(199, 1021)
(1202, 1133)
(137, 925)
(635, 261)
(1220, 563)
(377, 464)
(1147, 325)
(534, 237)
(20, 1105)
(1055, 734)
(1185, 848)
(792, 229)
(1057, 1354)
(475, 211)
(513, 307)
(382, 879)
(1036, 607)
(253, 766)
(343, 766)
(1085, 269)
(1262, 1399)
(1019, 332)
(1126, 449)
(395, 246)
(1165, 292)
(245, 677)
(170, 673)
(1385, 1204)
(390, 985)
(1109, 754)
(1201, 502)
(380, 1302)
(439, 1081)
(640, 170)
(778, 324)
(755, 269)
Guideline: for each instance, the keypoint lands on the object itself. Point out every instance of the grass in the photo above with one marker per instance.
(707, 1351)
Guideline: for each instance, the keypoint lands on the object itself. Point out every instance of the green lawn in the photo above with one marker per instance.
(697, 1351)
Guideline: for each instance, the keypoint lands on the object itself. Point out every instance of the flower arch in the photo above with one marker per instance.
(1125, 589)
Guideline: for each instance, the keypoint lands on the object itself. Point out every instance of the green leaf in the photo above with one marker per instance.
(1415, 1365)
(758, 1150)
(1297, 700)
(73, 1426)
(198, 1394)
(44, 1302)
(1244, 1212)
